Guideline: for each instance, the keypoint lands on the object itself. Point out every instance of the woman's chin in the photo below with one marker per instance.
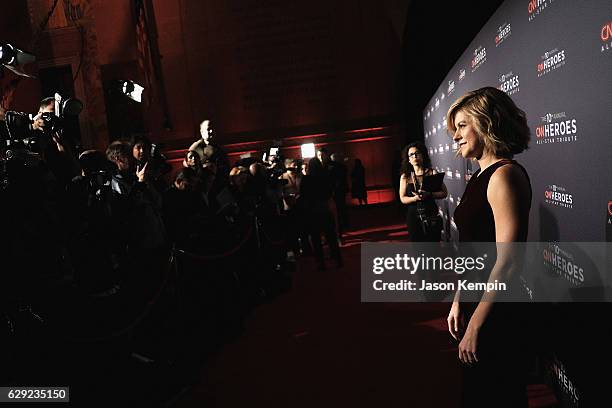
(467, 154)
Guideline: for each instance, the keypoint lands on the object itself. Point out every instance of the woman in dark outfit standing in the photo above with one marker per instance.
(358, 184)
(490, 128)
(316, 203)
(416, 164)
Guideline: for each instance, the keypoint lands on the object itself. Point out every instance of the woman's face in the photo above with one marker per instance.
(139, 152)
(469, 143)
(415, 157)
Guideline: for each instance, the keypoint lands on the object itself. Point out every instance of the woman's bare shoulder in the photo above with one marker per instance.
(509, 177)
(510, 171)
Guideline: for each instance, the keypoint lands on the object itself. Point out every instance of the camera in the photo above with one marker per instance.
(157, 160)
(52, 123)
(19, 125)
(99, 179)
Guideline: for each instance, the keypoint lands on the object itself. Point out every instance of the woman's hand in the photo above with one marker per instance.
(424, 195)
(142, 173)
(455, 320)
(468, 346)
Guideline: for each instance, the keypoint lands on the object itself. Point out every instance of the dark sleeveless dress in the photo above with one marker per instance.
(428, 206)
(499, 378)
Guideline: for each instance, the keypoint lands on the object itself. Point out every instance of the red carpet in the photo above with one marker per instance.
(319, 346)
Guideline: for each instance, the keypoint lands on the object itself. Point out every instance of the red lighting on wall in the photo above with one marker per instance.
(305, 136)
(374, 129)
(242, 152)
(367, 139)
(241, 144)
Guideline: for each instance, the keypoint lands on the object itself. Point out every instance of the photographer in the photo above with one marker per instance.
(91, 230)
(274, 164)
(274, 177)
(136, 208)
(297, 227)
(145, 152)
(316, 198)
(210, 151)
(184, 209)
(339, 175)
(56, 148)
(140, 202)
(33, 174)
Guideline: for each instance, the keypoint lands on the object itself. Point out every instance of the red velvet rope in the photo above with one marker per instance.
(162, 287)
(270, 239)
(219, 256)
(140, 318)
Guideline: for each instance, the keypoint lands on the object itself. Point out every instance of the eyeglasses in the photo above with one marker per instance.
(415, 154)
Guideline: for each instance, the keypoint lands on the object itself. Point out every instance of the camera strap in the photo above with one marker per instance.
(417, 186)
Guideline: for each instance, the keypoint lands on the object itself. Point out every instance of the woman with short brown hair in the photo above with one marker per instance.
(488, 127)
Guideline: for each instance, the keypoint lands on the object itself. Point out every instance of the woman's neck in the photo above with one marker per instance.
(486, 160)
(418, 170)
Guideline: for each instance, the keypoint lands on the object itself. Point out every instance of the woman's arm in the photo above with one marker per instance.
(507, 190)
(402, 192)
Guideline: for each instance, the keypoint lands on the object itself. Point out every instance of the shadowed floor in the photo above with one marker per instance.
(318, 345)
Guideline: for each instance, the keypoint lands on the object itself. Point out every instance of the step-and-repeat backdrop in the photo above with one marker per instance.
(554, 58)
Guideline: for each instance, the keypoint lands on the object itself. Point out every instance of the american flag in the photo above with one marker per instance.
(144, 50)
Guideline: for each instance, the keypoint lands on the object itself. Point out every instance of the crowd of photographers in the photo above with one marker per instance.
(111, 245)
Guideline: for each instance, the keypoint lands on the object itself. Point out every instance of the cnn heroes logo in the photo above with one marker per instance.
(479, 58)
(606, 37)
(556, 128)
(550, 61)
(410, 264)
(509, 83)
(558, 196)
(558, 373)
(537, 7)
(563, 264)
(503, 32)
